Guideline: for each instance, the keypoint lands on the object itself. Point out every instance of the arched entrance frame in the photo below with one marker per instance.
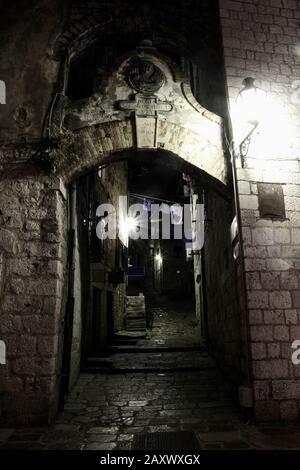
(144, 103)
(35, 239)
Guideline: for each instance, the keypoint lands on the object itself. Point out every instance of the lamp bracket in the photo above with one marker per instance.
(245, 144)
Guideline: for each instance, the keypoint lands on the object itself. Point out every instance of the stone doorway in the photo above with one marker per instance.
(169, 331)
(128, 117)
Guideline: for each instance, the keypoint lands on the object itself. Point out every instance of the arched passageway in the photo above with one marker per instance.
(130, 97)
(141, 115)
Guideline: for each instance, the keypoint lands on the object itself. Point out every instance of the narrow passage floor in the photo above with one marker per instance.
(113, 411)
(160, 392)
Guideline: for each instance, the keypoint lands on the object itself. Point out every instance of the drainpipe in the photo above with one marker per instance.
(245, 392)
(69, 309)
(197, 266)
(73, 206)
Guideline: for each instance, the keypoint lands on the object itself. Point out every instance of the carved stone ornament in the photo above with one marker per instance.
(145, 77)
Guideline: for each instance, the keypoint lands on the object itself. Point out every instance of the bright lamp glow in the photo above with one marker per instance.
(128, 225)
(260, 119)
(131, 224)
(251, 103)
(159, 259)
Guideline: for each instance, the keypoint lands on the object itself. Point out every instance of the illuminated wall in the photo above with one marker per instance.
(261, 40)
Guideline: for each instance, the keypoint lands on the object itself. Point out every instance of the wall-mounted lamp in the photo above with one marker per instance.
(250, 108)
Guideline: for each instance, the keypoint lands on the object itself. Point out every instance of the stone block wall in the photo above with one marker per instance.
(261, 39)
(116, 185)
(32, 247)
(119, 306)
(79, 273)
(225, 314)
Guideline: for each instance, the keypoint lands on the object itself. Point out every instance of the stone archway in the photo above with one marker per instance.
(145, 103)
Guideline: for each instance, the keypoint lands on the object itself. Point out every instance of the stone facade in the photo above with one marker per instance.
(261, 39)
(224, 309)
(33, 242)
(115, 185)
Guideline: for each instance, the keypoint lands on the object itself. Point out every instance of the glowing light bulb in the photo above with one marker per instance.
(131, 224)
(159, 259)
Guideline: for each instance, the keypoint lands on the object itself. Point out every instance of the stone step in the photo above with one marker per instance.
(123, 335)
(136, 315)
(136, 319)
(165, 361)
(135, 327)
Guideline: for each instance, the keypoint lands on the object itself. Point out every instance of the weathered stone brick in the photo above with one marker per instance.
(286, 350)
(274, 350)
(282, 235)
(258, 299)
(11, 383)
(291, 317)
(270, 281)
(248, 217)
(286, 389)
(51, 306)
(296, 236)
(263, 236)
(296, 299)
(274, 317)
(291, 252)
(278, 265)
(11, 323)
(262, 390)
(20, 345)
(16, 286)
(46, 250)
(270, 369)
(274, 252)
(9, 242)
(255, 317)
(295, 333)
(253, 281)
(280, 299)
(255, 252)
(258, 350)
(47, 345)
(49, 287)
(247, 236)
(249, 202)
(289, 280)
(261, 333)
(255, 265)
(244, 187)
(289, 410)
(281, 333)
(40, 325)
(34, 366)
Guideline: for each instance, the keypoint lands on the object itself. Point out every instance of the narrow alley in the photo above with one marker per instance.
(149, 228)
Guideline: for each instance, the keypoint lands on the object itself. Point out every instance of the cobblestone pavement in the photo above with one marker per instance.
(105, 411)
(143, 361)
(173, 391)
(173, 326)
